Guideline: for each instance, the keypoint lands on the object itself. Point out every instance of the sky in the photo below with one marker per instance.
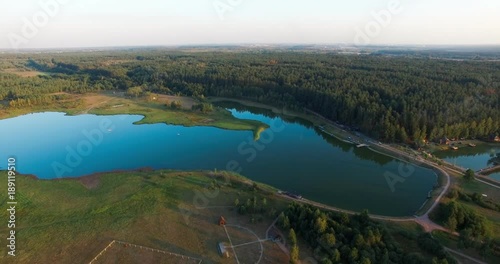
(102, 23)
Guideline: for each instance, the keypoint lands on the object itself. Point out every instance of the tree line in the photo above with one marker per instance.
(391, 98)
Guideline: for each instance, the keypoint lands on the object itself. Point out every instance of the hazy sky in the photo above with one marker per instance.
(91, 23)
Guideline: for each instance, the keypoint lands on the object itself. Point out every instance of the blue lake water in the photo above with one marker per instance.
(290, 156)
(476, 158)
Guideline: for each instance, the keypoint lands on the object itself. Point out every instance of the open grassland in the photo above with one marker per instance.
(492, 216)
(481, 188)
(23, 72)
(153, 109)
(492, 194)
(470, 187)
(72, 220)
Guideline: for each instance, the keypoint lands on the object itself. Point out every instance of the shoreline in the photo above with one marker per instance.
(221, 119)
(381, 149)
(389, 151)
(375, 148)
(91, 181)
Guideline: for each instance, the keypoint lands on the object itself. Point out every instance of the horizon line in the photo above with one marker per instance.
(339, 45)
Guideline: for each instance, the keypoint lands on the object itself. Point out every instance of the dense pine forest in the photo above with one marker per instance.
(392, 98)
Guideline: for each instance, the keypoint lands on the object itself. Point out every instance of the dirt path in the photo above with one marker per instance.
(271, 226)
(281, 244)
(430, 226)
(94, 105)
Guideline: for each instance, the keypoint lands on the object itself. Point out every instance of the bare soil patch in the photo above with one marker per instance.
(187, 102)
(91, 181)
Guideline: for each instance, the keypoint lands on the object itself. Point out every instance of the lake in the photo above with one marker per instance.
(291, 155)
(475, 158)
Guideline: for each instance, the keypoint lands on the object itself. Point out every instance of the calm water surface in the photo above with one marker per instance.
(476, 158)
(291, 155)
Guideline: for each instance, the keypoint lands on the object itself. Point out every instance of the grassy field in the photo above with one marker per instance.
(470, 187)
(493, 194)
(72, 220)
(153, 110)
(493, 217)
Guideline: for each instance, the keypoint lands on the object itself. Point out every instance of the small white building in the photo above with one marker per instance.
(222, 250)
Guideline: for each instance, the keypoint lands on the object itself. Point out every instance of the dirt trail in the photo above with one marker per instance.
(94, 105)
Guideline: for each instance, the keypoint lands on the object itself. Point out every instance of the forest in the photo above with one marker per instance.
(392, 98)
(474, 228)
(339, 238)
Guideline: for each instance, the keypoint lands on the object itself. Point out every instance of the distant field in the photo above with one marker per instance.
(22, 73)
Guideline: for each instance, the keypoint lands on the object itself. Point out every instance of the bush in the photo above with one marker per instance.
(176, 105)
